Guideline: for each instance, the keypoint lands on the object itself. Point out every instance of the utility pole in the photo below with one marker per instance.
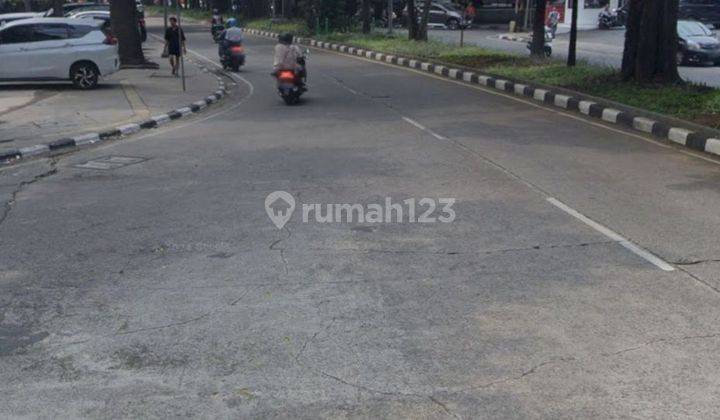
(165, 14)
(462, 27)
(573, 35)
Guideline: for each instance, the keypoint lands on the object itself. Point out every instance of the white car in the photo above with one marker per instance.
(102, 16)
(42, 49)
(9, 17)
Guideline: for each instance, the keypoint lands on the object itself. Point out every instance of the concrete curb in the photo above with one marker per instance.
(659, 127)
(69, 144)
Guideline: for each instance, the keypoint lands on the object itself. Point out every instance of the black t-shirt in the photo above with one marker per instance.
(171, 36)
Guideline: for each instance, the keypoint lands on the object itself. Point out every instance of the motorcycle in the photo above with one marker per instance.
(233, 57)
(216, 30)
(608, 19)
(547, 48)
(291, 84)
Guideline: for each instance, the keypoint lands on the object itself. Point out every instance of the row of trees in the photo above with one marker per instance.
(650, 42)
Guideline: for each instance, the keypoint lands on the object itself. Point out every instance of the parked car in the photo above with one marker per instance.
(705, 11)
(42, 49)
(69, 7)
(443, 15)
(500, 11)
(104, 10)
(102, 16)
(9, 17)
(697, 43)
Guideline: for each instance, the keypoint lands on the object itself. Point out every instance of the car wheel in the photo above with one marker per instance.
(680, 58)
(453, 24)
(84, 75)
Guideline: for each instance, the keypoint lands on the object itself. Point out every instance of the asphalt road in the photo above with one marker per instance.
(162, 289)
(603, 48)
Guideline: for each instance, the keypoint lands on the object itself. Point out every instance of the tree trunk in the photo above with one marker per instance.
(538, 42)
(311, 15)
(366, 16)
(124, 21)
(412, 23)
(651, 42)
(28, 5)
(57, 6)
(422, 34)
(220, 5)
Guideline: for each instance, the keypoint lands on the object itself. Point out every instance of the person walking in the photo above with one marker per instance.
(470, 12)
(174, 44)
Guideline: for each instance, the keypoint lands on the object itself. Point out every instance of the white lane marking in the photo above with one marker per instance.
(414, 123)
(436, 135)
(348, 88)
(562, 113)
(425, 129)
(635, 249)
(625, 243)
(642, 253)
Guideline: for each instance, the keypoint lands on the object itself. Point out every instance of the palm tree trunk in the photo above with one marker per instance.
(422, 34)
(412, 23)
(124, 21)
(366, 16)
(651, 42)
(57, 6)
(537, 48)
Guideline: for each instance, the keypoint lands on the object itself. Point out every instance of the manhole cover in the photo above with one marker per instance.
(110, 162)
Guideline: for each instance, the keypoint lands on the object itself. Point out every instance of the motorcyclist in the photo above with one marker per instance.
(233, 35)
(287, 55)
(552, 22)
(217, 18)
(606, 18)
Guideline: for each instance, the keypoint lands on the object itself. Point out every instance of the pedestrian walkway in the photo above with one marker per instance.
(38, 113)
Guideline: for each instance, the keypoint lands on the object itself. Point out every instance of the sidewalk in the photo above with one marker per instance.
(40, 113)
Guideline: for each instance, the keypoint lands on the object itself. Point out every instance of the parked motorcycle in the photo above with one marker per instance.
(233, 56)
(291, 84)
(547, 48)
(608, 19)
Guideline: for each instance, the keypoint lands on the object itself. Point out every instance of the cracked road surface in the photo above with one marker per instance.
(162, 289)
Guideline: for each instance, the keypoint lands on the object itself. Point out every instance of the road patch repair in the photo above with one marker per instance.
(70, 143)
(668, 129)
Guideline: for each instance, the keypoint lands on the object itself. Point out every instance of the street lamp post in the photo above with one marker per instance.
(573, 34)
(165, 14)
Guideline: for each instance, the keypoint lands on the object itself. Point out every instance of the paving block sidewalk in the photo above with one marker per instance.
(33, 114)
